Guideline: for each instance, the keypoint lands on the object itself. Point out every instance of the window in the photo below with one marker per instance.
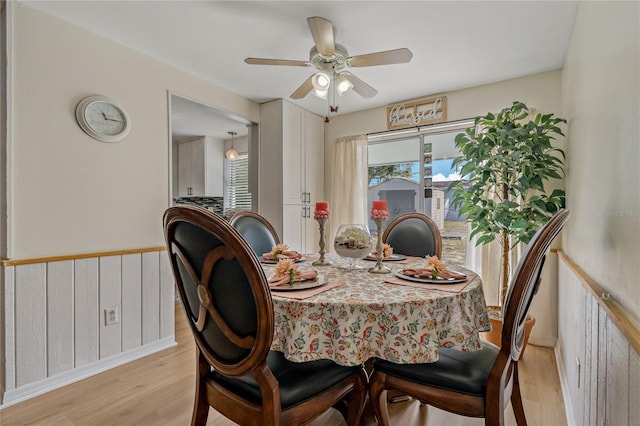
(413, 173)
(236, 184)
(394, 176)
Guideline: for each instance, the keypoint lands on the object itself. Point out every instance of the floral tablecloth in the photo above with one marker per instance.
(366, 317)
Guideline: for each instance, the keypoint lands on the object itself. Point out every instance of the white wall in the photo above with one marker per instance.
(599, 370)
(72, 194)
(601, 100)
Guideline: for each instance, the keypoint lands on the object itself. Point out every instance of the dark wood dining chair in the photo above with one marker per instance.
(226, 298)
(256, 230)
(480, 383)
(413, 234)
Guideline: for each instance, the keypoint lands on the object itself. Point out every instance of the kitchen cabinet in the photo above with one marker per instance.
(200, 168)
(291, 165)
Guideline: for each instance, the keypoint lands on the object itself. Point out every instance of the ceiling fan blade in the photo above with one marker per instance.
(396, 56)
(360, 87)
(303, 90)
(263, 61)
(322, 32)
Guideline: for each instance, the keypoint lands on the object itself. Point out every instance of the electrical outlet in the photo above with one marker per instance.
(111, 315)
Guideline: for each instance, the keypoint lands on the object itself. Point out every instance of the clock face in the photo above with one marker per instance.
(103, 119)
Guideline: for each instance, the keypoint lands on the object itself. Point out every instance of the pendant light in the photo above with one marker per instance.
(231, 153)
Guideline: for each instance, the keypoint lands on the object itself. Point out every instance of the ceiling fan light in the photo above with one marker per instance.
(343, 85)
(322, 94)
(321, 80)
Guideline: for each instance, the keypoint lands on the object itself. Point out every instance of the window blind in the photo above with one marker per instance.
(236, 184)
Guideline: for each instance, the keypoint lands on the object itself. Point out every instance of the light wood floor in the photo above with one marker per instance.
(158, 390)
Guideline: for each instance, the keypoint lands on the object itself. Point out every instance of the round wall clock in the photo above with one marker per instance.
(103, 119)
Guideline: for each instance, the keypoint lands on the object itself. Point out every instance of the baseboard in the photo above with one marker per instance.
(546, 341)
(564, 386)
(31, 390)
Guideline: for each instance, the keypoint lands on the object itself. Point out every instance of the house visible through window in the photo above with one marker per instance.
(236, 184)
(413, 173)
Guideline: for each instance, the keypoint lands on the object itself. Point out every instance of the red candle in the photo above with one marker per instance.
(379, 210)
(322, 210)
(380, 205)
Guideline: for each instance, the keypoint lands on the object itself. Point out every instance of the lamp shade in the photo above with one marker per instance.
(231, 154)
(321, 80)
(322, 94)
(343, 85)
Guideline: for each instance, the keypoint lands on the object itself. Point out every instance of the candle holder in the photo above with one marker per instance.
(323, 242)
(379, 268)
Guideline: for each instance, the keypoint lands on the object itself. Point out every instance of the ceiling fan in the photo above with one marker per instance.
(331, 60)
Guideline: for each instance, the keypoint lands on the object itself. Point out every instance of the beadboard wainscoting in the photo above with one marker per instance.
(597, 353)
(55, 321)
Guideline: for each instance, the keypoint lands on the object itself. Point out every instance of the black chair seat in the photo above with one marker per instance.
(298, 382)
(456, 371)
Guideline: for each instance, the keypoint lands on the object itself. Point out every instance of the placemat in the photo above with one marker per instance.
(305, 294)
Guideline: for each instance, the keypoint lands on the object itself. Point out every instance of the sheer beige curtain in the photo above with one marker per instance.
(349, 184)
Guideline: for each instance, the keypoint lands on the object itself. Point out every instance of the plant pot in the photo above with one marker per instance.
(495, 335)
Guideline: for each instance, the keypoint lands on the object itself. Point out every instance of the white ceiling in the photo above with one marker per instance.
(455, 44)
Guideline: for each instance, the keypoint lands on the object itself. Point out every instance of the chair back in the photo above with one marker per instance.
(256, 230)
(223, 289)
(525, 283)
(413, 234)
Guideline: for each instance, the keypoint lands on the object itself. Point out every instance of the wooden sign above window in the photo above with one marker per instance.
(417, 113)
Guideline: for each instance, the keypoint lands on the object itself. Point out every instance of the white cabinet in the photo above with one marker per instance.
(200, 168)
(291, 171)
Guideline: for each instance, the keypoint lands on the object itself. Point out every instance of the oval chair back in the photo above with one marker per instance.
(256, 230)
(223, 289)
(525, 283)
(413, 234)
(228, 304)
(476, 383)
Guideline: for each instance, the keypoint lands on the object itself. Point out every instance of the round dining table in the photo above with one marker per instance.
(359, 315)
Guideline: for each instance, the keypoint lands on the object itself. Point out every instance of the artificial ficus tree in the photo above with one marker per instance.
(506, 160)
